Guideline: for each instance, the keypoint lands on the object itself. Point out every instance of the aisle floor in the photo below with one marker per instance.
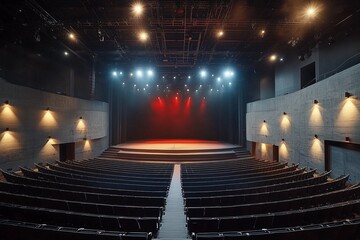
(174, 221)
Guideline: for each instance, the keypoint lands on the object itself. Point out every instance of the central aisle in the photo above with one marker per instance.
(174, 220)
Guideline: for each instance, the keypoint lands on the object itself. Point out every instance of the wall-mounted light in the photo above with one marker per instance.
(7, 102)
(84, 138)
(47, 109)
(7, 129)
(264, 121)
(284, 113)
(49, 137)
(80, 117)
(283, 140)
(347, 139)
(347, 94)
(316, 136)
(316, 101)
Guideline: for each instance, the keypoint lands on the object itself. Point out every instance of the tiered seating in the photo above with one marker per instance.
(91, 199)
(254, 199)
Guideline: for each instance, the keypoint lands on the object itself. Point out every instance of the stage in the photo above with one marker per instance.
(174, 150)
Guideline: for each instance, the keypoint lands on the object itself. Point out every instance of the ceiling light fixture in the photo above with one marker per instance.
(72, 36)
(137, 9)
(143, 36)
(273, 57)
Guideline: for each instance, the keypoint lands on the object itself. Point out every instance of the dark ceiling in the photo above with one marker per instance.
(182, 34)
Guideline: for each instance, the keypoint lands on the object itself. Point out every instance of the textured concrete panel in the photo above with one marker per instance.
(30, 125)
(333, 118)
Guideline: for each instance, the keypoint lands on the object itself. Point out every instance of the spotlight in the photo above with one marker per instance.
(219, 79)
(174, 77)
(139, 73)
(131, 74)
(114, 73)
(347, 139)
(229, 83)
(220, 33)
(273, 57)
(203, 73)
(311, 11)
(228, 73)
(316, 101)
(150, 73)
(71, 36)
(143, 36)
(121, 73)
(316, 136)
(137, 9)
(189, 77)
(347, 94)
(281, 59)
(66, 53)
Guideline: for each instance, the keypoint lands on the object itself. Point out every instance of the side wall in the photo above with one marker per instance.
(333, 118)
(30, 124)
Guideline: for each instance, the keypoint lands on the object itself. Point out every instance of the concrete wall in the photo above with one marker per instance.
(334, 118)
(30, 125)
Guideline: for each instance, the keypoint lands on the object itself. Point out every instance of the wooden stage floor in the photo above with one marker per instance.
(176, 147)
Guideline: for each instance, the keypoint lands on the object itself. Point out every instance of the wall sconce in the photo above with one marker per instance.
(347, 94)
(80, 117)
(84, 138)
(283, 140)
(316, 136)
(7, 102)
(347, 139)
(7, 129)
(264, 121)
(47, 109)
(49, 137)
(316, 101)
(284, 113)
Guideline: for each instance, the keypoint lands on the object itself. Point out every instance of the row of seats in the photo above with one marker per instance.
(276, 201)
(272, 195)
(13, 230)
(58, 201)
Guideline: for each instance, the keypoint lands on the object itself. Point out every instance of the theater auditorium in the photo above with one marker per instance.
(179, 119)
